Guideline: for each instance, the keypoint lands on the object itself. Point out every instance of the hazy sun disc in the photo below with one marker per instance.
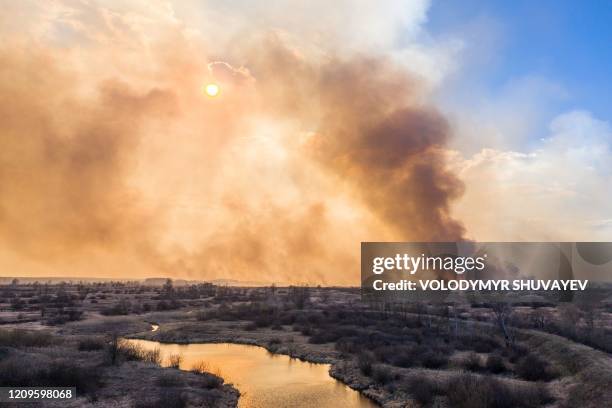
(212, 89)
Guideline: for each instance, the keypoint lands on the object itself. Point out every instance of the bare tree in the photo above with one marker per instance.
(590, 314)
(540, 319)
(502, 312)
(570, 315)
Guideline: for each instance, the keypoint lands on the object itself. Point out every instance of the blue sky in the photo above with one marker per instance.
(566, 42)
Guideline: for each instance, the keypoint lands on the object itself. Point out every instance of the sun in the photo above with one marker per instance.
(212, 89)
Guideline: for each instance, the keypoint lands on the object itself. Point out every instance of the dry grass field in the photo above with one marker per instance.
(398, 355)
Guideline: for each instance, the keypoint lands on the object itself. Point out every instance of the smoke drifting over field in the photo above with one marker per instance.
(114, 159)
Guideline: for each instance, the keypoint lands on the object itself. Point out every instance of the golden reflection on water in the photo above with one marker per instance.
(265, 379)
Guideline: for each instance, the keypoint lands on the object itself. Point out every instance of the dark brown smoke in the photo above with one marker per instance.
(375, 135)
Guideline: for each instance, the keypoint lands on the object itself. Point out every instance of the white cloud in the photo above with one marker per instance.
(352, 24)
(557, 191)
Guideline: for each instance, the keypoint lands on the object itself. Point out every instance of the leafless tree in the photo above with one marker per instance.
(503, 311)
(540, 319)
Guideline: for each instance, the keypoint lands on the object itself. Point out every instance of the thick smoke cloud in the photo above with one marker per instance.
(374, 132)
(301, 156)
(64, 157)
(390, 148)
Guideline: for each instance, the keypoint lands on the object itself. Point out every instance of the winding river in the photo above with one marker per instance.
(265, 379)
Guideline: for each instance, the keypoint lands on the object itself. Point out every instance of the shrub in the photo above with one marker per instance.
(495, 364)
(472, 362)
(274, 341)
(382, 375)
(68, 374)
(471, 391)
(133, 352)
(203, 315)
(174, 361)
(200, 367)
(21, 338)
(515, 353)
(210, 380)
(166, 398)
(91, 344)
(533, 368)
(364, 362)
(479, 343)
(169, 380)
(421, 388)
(331, 334)
(24, 372)
(321, 337)
(484, 344)
(172, 399)
(263, 321)
(434, 360)
(122, 307)
(345, 346)
(404, 360)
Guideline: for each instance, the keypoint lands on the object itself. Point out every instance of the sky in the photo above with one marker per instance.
(563, 41)
(334, 124)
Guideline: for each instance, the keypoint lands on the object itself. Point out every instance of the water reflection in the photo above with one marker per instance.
(265, 379)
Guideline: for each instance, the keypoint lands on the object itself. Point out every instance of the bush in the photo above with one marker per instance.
(121, 308)
(200, 367)
(434, 360)
(364, 362)
(306, 330)
(203, 315)
(166, 398)
(471, 391)
(132, 352)
(263, 321)
(171, 399)
(210, 380)
(495, 364)
(21, 338)
(472, 362)
(91, 344)
(404, 360)
(24, 372)
(533, 368)
(382, 375)
(169, 380)
(174, 361)
(422, 389)
(68, 374)
(479, 343)
(515, 353)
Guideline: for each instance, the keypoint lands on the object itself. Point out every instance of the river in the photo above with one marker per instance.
(265, 379)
